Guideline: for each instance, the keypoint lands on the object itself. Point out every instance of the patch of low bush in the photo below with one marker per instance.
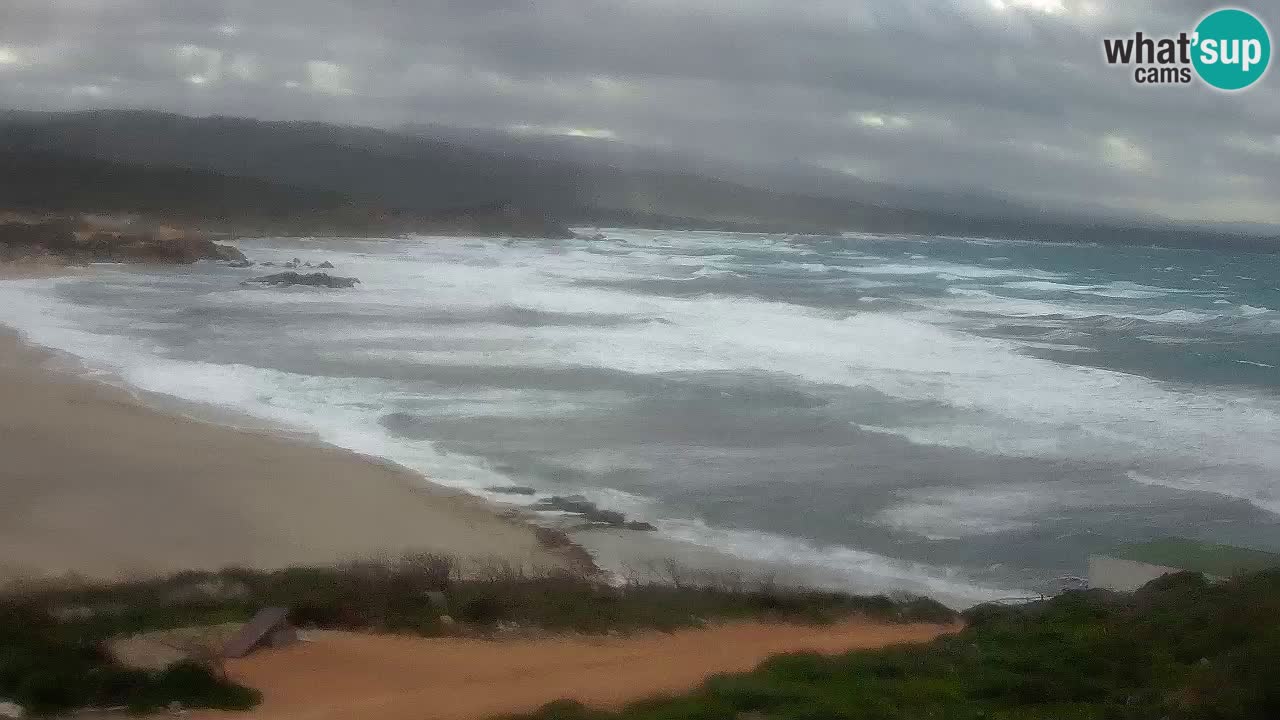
(396, 595)
(48, 666)
(52, 654)
(1179, 649)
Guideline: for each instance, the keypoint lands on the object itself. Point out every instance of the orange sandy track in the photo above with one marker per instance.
(347, 676)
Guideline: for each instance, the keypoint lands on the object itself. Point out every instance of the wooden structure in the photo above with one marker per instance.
(268, 628)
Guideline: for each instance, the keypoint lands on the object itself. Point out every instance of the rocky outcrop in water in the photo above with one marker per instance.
(298, 263)
(310, 279)
(512, 490)
(73, 241)
(579, 505)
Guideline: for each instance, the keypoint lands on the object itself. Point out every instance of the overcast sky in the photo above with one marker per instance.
(1006, 96)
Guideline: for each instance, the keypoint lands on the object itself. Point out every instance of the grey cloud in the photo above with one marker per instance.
(1016, 101)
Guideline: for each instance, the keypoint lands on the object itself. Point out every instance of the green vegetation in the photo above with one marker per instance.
(53, 641)
(395, 596)
(1179, 649)
(49, 666)
(1220, 560)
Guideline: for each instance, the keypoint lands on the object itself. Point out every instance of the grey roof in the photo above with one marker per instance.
(256, 631)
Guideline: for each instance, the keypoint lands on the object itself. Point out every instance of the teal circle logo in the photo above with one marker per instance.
(1231, 49)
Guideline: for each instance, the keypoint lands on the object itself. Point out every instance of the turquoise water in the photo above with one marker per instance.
(959, 417)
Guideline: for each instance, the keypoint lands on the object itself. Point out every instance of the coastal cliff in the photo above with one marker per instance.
(84, 241)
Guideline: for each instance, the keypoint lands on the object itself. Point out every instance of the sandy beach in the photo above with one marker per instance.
(95, 484)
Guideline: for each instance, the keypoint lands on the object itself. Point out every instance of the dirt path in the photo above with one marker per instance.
(346, 676)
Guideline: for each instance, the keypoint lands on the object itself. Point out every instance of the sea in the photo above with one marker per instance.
(965, 418)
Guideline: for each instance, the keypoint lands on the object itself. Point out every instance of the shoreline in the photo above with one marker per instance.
(618, 554)
(98, 485)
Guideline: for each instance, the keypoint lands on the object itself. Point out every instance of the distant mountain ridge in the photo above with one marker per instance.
(409, 174)
(68, 185)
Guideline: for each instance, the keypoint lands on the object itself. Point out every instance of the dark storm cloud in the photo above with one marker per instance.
(1006, 96)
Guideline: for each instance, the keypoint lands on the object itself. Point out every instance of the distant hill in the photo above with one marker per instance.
(59, 182)
(402, 172)
(66, 184)
(409, 173)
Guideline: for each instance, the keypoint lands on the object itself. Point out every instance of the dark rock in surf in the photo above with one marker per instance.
(325, 264)
(220, 251)
(512, 490)
(240, 263)
(285, 279)
(579, 505)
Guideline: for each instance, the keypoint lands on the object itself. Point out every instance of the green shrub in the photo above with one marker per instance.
(51, 657)
(194, 685)
(50, 667)
(483, 610)
(1180, 649)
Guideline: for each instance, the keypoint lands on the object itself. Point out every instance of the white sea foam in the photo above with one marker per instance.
(950, 513)
(1003, 401)
(1017, 404)
(948, 270)
(1061, 347)
(336, 410)
(985, 301)
(1047, 286)
(1122, 294)
(1267, 494)
(340, 411)
(1124, 289)
(859, 569)
(1176, 316)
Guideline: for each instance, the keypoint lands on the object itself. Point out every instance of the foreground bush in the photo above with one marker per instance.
(52, 655)
(51, 667)
(397, 596)
(1178, 649)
